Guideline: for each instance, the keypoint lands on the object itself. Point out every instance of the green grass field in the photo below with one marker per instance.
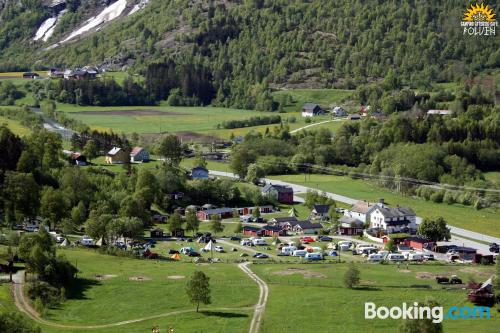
(315, 300)
(323, 97)
(15, 126)
(484, 220)
(119, 297)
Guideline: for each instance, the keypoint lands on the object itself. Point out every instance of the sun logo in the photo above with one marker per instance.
(479, 13)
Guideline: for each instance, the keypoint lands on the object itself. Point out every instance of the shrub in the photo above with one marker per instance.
(437, 196)
(44, 294)
(449, 197)
(351, 276)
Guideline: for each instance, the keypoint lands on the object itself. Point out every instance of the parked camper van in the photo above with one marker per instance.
(299, 253)
(414, 256)
(87, 241)
(396, 257)
(313, 256)
(259, 241)
(375, 257)
(288, 250)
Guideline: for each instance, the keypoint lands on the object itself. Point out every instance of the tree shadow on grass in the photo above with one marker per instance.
(80, 287)
(367, 288)
(223, 314)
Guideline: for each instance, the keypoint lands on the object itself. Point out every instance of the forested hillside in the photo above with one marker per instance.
(245, 46)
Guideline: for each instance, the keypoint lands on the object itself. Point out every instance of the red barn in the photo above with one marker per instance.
(419, 243)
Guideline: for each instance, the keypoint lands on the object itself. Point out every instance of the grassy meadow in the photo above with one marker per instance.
(322, 97)
(15, 126)
(484, 220)
(315, 300)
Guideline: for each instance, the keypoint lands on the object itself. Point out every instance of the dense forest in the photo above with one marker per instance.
(233, 51)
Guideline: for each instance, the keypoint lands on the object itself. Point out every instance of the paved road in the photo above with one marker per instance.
(53, 126)
(457, 232)
(261, 304)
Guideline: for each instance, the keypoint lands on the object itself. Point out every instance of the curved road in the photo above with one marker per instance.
(457, 233)
(315, 124)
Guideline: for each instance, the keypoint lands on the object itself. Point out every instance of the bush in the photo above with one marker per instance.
(437, 196)
(308, 120)
(44, 294)
(449, 197)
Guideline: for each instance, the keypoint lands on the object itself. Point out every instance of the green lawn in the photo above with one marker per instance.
(15, 126)
(323, 97)
(493, 177)
(484, 220)
(315, 300)
(119, 298)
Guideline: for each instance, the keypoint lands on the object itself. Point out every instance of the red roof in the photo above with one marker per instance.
(135, 151)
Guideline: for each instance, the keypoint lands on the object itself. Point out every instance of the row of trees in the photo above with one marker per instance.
(253, 121)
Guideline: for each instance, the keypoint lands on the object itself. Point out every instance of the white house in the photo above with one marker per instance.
(360, 210)
(392, 220)
(338, 111)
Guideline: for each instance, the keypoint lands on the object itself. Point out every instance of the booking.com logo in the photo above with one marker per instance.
(418, 311)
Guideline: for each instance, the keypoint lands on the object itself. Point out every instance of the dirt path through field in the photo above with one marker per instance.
(24, 306)
(261, 304)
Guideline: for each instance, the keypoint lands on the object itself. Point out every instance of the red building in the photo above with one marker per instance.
(252, 231)
(419, 243)
(280, 193)
(221, 213)
(350, 226)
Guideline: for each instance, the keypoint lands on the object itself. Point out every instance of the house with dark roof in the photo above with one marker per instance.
(77, 159)
(273, 231)
(280, 193)
(392, 220)
(350, 226)
(139, 155)
(281, 221)
(320, 212)
(252, 231)
(311, 110)
(199, 173)
(306, 228)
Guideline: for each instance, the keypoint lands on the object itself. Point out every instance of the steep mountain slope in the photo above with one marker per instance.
(244, 43)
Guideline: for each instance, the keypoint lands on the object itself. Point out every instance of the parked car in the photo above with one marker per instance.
(193, 254)
(307, 239)
(455, 280)
(494, 247)
(325, 239)
(172, 251)
(219, 248)
(332, 253)
(246, 218)
(235, 238)
(260, 255)
(87, 241)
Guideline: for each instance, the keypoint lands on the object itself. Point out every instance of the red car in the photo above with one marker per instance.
(307, 240)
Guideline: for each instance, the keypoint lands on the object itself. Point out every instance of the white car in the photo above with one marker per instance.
(219, 248)
(87, 241)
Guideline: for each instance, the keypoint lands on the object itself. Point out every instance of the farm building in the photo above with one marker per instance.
(199, 173)
(338, 111)
(80, 73)
(350, 226)
(139, 154)
(116, 156)
(221, 213)
(311, 110)
(280, 193)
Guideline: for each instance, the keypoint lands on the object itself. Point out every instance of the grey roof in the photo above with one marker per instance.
(114, 151)
(350, 221)
(285, 219)
(272, 228)
(250, 228)
(395, 212)
(279, 188)
(199, 169)
(218, 210)
(310, 106)
(308, 225)
(321, 209)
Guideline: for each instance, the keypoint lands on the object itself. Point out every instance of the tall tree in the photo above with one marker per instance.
(216, 225)
(174, 222)
(198, 289)
(434, 230)
(192, 222)
(170, 148)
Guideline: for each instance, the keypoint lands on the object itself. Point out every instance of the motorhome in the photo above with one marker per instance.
(397, 257)
(87, 241)
(259, 241)
(415, 256)
(299, 253)
(288, 250)
(375, 257)
(313, 256)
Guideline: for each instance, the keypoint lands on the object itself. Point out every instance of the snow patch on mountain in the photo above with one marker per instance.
(108, 14)
(48, 26)
(138, 7)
